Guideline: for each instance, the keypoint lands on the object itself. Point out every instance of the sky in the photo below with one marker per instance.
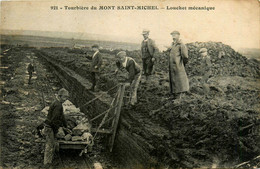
(233, 22)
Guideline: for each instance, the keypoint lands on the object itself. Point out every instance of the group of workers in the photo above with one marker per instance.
(179, 83)
(177, 56)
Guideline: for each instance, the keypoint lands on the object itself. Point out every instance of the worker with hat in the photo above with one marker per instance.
(134, 73)
(148, 52)
(95, 65)
(178, 57)
(55, 120)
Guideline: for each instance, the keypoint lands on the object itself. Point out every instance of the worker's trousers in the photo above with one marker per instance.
(147, 66)
(95, 78)
(49, 145)
(134, 87)
(30, 77)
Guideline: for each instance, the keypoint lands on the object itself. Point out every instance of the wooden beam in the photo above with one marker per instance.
(103, 131)
(116, 120)
(72, 142)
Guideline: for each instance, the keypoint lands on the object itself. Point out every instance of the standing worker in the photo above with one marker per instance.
(148, 50)
(55, 120)
(205, 65)
(95, 65)
(134, 76)
(30, 70)
(205, 69)
(178, 57)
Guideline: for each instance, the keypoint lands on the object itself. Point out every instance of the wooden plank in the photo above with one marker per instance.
(103, 131)
(65, 142)
(118, 110)
(107, 111)
(114, 119)
(72, 142)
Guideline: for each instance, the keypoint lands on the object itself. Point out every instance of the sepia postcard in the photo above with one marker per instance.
(108, 84)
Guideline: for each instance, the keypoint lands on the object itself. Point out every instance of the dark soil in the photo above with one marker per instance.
(200, 129)
(21, 106)
(217, 127)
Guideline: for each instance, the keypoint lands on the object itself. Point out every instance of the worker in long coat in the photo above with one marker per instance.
(178, 56)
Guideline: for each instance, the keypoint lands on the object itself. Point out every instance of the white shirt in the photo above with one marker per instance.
(95, 54)
(124, 63)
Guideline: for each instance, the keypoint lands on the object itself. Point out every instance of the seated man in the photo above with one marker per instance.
(55, 120)
(134, 71)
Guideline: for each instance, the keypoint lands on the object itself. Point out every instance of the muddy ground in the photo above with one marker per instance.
(216, 128)
(21, 106)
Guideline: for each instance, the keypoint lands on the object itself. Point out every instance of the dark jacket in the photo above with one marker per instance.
(96, 61)
(30, 68)
(55, 117)
(132, 67)
(151, 47)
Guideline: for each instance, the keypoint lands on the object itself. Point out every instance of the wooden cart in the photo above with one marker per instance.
(110, 116)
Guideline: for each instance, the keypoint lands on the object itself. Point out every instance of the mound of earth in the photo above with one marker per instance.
(216, 124)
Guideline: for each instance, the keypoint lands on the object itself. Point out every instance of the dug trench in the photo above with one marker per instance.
(21, 112)
(219, 128)
(130, 150)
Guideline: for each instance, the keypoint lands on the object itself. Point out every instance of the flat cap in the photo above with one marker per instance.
(121, 53)
(63, 92)
(175, 32)
(145, 31)
(202, 50)
(95, 46)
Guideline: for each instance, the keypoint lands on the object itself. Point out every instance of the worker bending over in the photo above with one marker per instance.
(134, 76)
(55, 120)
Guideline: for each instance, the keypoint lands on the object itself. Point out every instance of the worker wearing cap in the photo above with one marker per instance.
(178, 56)
(134, 77)
(95, 65)
(205, 65)
(55, 119)
(148, 51)
(30, 70)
